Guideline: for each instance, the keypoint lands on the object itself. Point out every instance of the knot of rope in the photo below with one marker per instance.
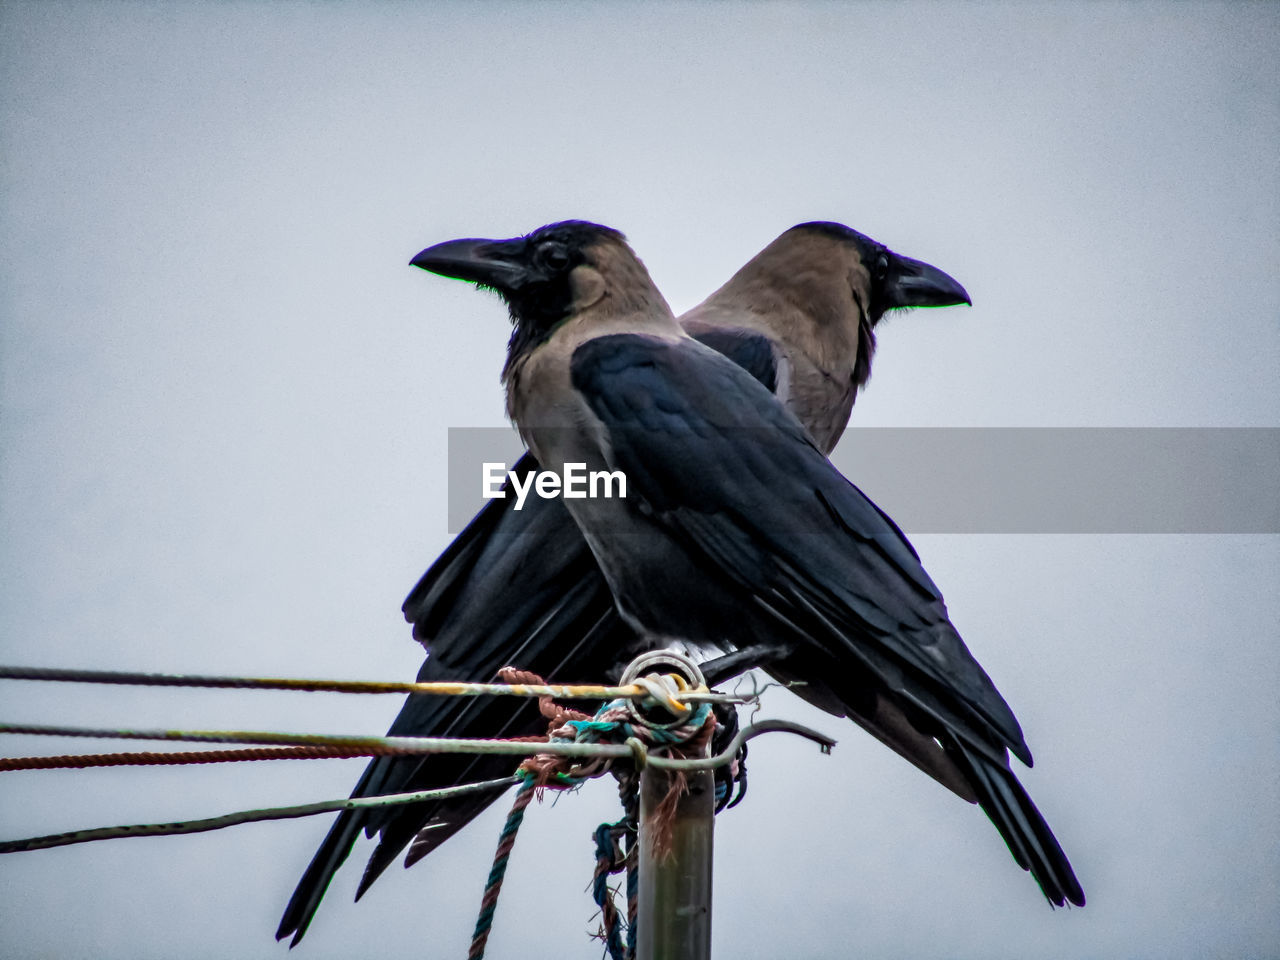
(617, 721)
(610, 860)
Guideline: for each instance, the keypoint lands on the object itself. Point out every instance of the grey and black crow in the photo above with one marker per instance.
(523, 587)
(736, 529)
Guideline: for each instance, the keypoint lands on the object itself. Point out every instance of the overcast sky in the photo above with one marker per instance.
(224, 399)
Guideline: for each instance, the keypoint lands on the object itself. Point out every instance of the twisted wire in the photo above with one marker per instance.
(438, 688)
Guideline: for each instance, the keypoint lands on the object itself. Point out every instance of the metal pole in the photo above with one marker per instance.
(674, 907)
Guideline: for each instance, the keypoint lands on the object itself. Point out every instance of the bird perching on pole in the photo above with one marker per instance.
(522, 586)
(736, 528)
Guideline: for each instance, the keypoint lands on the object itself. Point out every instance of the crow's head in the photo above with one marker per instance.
(837, 283)
(559, 271)
(882, 279)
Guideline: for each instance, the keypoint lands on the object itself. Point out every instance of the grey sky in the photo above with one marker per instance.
(224, 400)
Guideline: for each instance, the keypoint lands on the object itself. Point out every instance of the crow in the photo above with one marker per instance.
(736, 528)
(522, 587)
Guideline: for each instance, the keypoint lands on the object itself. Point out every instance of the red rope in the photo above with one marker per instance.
(176, 758)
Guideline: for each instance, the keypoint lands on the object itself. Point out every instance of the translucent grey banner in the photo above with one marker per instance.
(1012, 480)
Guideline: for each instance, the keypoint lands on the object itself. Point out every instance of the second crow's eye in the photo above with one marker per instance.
(554, 257)
(882, 267)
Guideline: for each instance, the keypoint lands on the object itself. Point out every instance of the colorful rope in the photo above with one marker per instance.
(613, 723)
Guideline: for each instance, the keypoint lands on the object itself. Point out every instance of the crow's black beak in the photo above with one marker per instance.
(913, 283)
(491, 263)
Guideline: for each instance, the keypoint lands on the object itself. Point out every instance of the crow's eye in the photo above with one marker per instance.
(554, 257)
(882, 267)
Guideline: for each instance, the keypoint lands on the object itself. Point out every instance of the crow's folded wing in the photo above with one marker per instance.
(737, 482)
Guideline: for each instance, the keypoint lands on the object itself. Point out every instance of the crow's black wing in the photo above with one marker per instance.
(739, 487)
(528, 593)
(729, 469)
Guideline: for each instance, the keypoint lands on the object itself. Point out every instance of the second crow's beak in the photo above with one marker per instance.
(491, 263)
(913, 283)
